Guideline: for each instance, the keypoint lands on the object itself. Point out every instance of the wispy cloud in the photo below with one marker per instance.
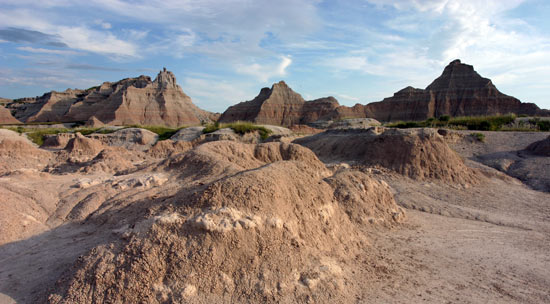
(90, 67)
(47, 51)
(266, 72)
(13, 34)
(101, 42)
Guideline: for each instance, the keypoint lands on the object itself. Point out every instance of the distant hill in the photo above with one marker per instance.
(280, 105)
(459, 91)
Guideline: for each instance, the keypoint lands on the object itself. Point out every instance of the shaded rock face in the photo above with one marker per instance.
(126, 102)
(541, 148)
(459, 91)
(280, 105)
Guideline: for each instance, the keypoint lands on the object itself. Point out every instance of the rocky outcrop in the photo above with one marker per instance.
(459, 91)
(280, 105)
(541, 147)
(6, 118)
(126, 102)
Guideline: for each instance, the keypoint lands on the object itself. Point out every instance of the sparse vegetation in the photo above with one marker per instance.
(542, 125)
(482, 123)
(38, 135)
(162, 132)
(239, 128)
(479, 136)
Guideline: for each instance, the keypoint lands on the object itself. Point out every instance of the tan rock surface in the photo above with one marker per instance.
(417, 153)
(6, 118)
(129, 101)
(280, 106)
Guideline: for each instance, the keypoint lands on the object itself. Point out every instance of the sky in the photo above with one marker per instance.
(224, 51)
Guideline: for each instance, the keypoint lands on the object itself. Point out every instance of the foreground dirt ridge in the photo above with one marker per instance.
(421, 215)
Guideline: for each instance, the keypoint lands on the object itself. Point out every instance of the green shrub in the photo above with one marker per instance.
(407, 124)
(162, 132)
(482, 123)
(542, 125)
(211, 128)
(479, 136)
(239, 128)
(444, 118)
(38, 135)
(86, 131)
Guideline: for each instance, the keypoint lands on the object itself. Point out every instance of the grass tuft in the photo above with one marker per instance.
(479, 136)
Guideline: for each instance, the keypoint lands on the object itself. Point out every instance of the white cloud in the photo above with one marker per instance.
(85, 39)
(46, 51)
(104, 25)
(267, 71)
(347, 97)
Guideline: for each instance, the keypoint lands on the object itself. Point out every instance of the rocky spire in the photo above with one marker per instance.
(165, 80)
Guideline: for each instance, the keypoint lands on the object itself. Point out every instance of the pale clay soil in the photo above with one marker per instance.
(483, 240)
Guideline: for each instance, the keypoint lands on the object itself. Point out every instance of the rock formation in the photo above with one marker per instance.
(459, 91)
(280, 105)
(126, 102)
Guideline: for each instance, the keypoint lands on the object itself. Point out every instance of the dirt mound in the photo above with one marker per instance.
(57, 141)
(220, 158)
(419, 154)
(541, 148)
(268, 228)
(16, 151)
(81, 147)
(93, 122)
(365, 199)
(167, 148)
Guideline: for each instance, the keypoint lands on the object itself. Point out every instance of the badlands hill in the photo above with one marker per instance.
(125, 102)
(459, 91)
(280, 105)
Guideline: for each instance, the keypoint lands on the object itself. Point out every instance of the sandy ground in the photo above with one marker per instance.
(487, 246)
(486, 243)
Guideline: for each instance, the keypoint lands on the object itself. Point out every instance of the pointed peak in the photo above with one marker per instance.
(165, 80)
(458, 75)
(281, 84)
(455, 62)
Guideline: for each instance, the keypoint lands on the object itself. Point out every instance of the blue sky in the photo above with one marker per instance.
(223, 52)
